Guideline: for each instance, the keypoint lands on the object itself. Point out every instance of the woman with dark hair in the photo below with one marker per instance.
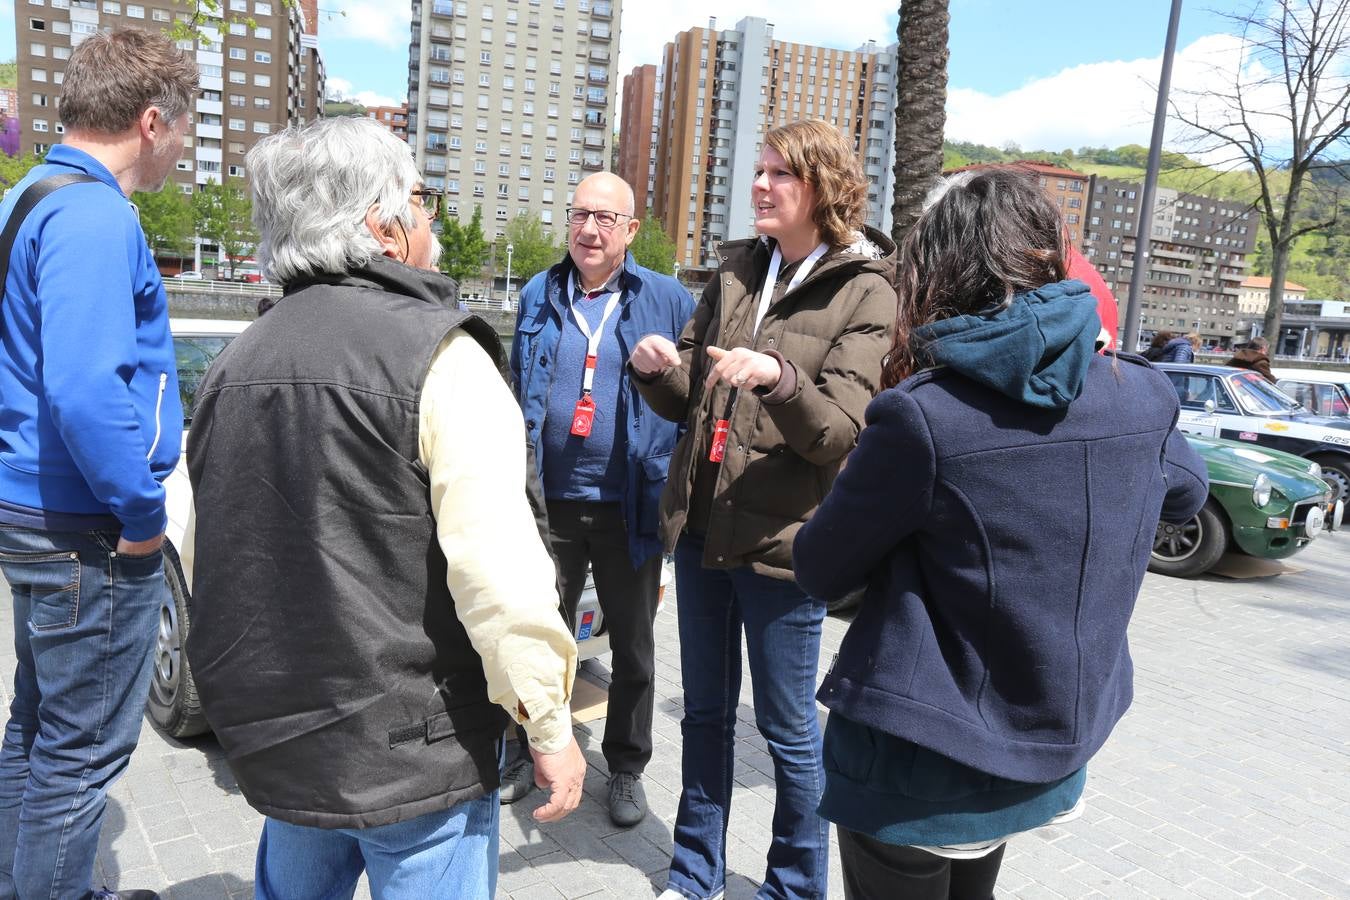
(1158, 346)
(771, 375)
(998, 512)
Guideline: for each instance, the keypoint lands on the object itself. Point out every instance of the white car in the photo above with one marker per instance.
(1322, 392)
(173, 700)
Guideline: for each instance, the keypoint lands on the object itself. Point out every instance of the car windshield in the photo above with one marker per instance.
(195, 353)
(1260, 396)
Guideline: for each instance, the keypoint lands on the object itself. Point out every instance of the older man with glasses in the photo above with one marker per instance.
(602, 454)
(372, 594)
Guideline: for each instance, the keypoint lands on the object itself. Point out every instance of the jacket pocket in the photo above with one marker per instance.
(53, 582)
(655, 471)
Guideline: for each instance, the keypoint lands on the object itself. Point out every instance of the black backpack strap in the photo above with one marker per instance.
(30, 198)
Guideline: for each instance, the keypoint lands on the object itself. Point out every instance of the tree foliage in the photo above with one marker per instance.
(1283, 112)
(166, 218)
(921, 107)
(222, 214)
(653, 248)
(464, 249)
(13, 168)
(532, 249)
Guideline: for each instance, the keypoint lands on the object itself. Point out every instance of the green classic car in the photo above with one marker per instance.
(1262, 502)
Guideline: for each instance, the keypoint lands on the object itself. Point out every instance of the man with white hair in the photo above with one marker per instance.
(602, 454)
(372, 596)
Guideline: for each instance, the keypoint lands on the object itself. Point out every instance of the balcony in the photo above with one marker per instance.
(601, 101)
(600, 32)
(602, 11)
(600, 54)
(591, 164)
(592, 143)
(595, 119)
(594, 77)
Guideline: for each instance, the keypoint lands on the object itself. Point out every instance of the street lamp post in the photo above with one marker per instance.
(510, 248)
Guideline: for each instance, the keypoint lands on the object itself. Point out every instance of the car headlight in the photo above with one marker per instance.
(1314, 470)
(1261, 490)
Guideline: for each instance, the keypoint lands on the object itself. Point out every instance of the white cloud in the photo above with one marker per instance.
(645, 34)
(342, 88)
(1106, 103)
(387, 25)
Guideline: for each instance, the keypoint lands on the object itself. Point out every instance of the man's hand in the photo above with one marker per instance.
(742, 367)
(653, 355)
(561, 774)
(139, 548)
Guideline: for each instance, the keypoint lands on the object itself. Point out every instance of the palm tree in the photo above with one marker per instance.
(921, 107)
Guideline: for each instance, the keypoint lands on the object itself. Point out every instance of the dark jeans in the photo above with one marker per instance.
(877, 871)
(782, 637)
(594, 533)
(84, 631)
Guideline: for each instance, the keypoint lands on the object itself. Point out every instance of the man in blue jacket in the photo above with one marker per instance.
(602, 454)
(90, 425)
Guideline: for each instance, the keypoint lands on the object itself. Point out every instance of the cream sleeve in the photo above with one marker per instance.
(472, 442)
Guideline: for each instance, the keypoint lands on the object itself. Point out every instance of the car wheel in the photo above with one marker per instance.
(173, 695)
(1336, 473)
(1191, 547)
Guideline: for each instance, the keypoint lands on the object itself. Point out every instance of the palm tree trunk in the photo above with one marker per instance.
(921, 107)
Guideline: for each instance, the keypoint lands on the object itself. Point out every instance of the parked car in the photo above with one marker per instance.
(1262, 503)
(189, 276)
(1320, 391)
(1240, 405)
(173, 702)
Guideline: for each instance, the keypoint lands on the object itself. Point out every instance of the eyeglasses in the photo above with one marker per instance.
(603, 217)
(430, 198)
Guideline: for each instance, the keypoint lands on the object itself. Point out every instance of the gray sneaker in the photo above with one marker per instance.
(627, 800)
(518, 779)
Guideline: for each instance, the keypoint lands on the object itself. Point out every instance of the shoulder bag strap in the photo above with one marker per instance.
(30, 198)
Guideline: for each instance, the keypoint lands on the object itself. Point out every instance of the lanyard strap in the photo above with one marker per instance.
(592, 338)
(771, 278)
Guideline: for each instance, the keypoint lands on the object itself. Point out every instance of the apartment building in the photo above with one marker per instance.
(395, 118)
(1255, 296)
(255, 78)
(637, 162)
(718, 92)
(1068, 190)
(510, 102)
(1200, 249)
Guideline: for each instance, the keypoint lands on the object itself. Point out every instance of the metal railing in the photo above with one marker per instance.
(478, 303)
(205, 286)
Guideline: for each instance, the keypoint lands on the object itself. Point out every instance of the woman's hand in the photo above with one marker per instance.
(742, 367)
(653, 355)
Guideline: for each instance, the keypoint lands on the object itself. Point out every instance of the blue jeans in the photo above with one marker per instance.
(442, 854)
(84, 631)
(782, 637)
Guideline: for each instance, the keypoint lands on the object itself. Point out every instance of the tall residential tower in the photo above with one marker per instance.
(511, 102)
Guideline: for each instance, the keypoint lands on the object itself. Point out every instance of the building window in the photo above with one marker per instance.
(236, 124)
(262, 103)
(239, 29)
(262, 56)
(262, 9)
(39, 124)
(262, 80)
(237, 77)
(236, 171)
(263, 33)
(37, 49)
(262, 128)
(238, 53)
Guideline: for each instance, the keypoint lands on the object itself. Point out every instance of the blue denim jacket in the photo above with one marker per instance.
(652, 304)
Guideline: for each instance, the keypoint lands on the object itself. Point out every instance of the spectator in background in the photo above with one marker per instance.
(1179, 349)
(1254, 355)
(1157, 346)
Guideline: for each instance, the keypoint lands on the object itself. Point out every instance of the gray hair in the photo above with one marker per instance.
(312, 189)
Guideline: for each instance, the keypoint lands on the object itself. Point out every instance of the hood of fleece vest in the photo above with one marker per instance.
(1035, 350)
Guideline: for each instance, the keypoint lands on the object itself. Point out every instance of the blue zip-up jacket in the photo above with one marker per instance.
(1000, 510)
(652, 304)
(90, 417)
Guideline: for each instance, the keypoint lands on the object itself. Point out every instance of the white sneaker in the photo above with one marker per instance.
(671, 894)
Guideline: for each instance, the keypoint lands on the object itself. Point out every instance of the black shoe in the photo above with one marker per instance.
(518, 779)
(627, 800)
(106, 894)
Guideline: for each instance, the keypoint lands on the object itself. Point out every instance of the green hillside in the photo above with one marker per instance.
(1320, 260)
(9, 75)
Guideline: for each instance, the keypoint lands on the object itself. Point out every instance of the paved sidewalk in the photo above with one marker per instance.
(1228, 778)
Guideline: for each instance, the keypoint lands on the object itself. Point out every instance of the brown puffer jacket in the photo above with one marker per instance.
(781, 458)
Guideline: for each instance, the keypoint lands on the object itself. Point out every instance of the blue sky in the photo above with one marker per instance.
(1049, 74)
